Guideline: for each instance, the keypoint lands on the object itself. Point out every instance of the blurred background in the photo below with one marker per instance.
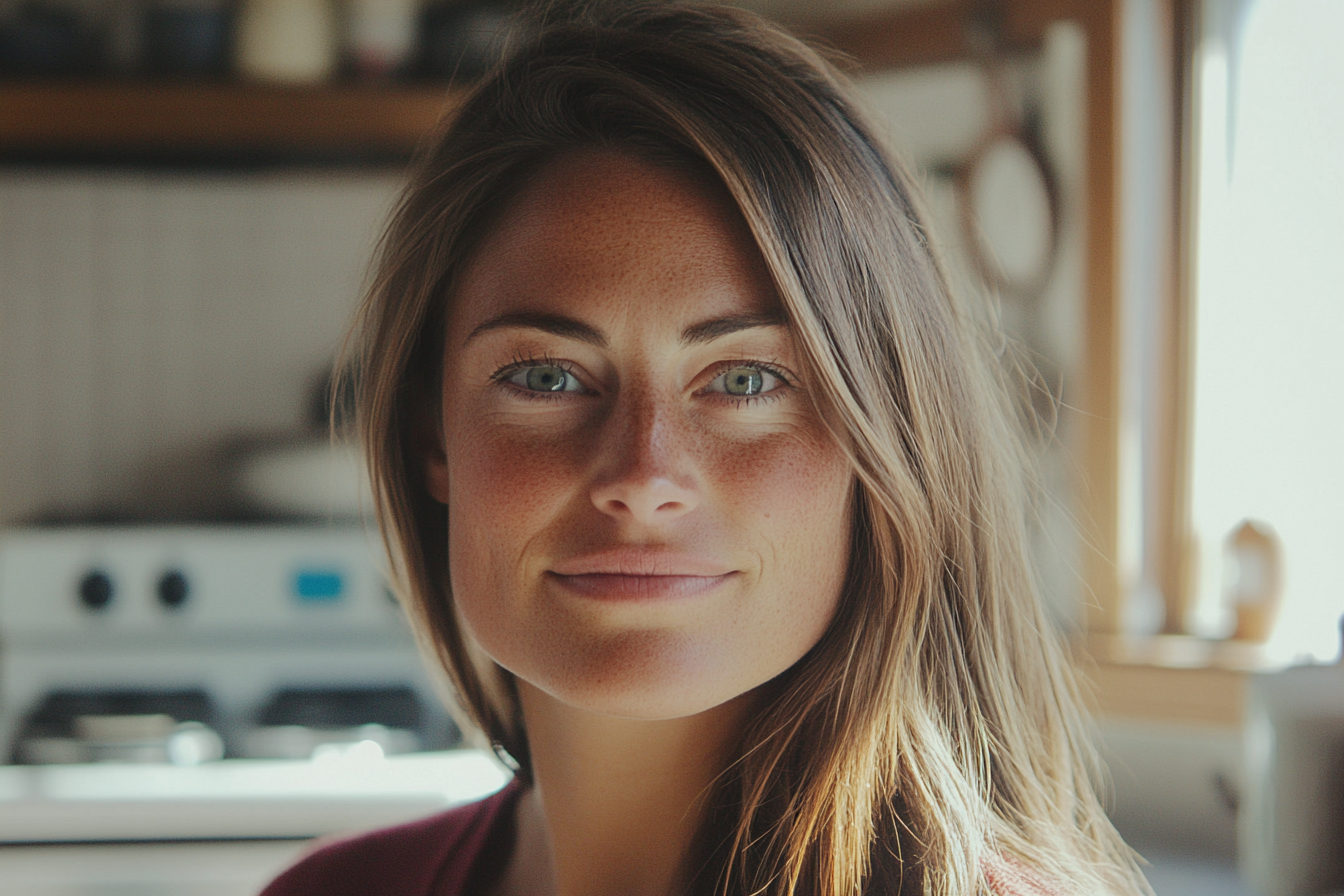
(196, 642)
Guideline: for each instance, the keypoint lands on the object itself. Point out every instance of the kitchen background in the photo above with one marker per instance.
(167, 321)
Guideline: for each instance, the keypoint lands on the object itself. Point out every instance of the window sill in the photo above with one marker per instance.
(1170, 678)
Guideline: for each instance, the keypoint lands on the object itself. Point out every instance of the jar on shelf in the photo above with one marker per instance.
(287, 41)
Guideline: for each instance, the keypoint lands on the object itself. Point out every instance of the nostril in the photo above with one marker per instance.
(645, 501)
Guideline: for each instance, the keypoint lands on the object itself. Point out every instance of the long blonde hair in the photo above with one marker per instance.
(935, 729)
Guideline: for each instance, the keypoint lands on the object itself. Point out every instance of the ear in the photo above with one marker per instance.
(434, 456)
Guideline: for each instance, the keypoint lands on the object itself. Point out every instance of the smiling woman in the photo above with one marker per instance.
(660, 520)
(709, 496)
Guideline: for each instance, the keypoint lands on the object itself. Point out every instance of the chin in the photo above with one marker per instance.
(643, 675)
(640, 704)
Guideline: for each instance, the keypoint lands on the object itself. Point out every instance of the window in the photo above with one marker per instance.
(1268, 328)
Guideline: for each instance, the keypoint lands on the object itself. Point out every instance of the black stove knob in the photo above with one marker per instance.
(95, 590)
(173, 589)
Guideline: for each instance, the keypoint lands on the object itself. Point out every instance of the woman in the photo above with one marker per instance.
(708, 494)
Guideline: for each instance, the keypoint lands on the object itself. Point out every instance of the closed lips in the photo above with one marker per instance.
(617, 586)
(627, 563)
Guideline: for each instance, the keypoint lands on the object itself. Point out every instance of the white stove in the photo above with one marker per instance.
(133, 658)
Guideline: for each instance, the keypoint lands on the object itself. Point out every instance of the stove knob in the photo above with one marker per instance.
(173, 589)
(95, 590)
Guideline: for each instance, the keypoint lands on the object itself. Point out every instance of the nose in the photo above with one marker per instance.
(646, 475)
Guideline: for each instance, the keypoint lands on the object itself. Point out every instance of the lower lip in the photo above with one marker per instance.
(612, 587)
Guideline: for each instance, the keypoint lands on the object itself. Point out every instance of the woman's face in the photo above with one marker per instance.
(647, 517)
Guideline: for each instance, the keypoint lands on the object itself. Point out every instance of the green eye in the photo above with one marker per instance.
(544, 378)
(547, 379)
(743, 381)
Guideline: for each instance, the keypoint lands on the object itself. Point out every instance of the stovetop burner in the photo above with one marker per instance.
(119, 726)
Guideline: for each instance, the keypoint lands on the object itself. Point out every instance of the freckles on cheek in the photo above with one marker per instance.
(506, 490)
(790, 479)
(505, 483)
(792, 495)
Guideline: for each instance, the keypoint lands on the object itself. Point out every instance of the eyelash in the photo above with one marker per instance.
(521, 362)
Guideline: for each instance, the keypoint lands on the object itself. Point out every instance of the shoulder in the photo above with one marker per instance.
(1009, 877)
(427, 857)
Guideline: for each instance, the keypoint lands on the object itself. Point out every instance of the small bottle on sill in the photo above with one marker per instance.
(1255, 559)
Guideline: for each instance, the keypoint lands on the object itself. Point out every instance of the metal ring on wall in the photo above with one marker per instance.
(1009, 277)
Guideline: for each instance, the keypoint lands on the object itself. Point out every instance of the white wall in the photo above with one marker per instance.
(148, 318)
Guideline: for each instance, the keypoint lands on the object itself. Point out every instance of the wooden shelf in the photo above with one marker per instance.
(150, 119)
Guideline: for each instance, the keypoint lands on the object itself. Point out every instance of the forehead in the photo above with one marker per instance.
(613, 239)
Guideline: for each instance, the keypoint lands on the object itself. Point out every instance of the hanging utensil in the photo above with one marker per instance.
(1007, 191)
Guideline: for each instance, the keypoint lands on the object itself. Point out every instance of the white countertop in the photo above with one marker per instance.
(237, 799)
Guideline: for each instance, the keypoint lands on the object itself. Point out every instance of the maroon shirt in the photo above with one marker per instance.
(463, 851)
(456, 853)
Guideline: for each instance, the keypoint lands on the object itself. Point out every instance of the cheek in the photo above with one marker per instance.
(502, 482)
(506, 489)
(794, 489)
(503, 474)
(792, 498)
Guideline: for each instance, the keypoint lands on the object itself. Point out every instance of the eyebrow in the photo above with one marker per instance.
(555, 324)
(569, 328)
(708, 331)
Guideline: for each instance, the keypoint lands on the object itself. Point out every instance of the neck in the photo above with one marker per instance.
(616, 801)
